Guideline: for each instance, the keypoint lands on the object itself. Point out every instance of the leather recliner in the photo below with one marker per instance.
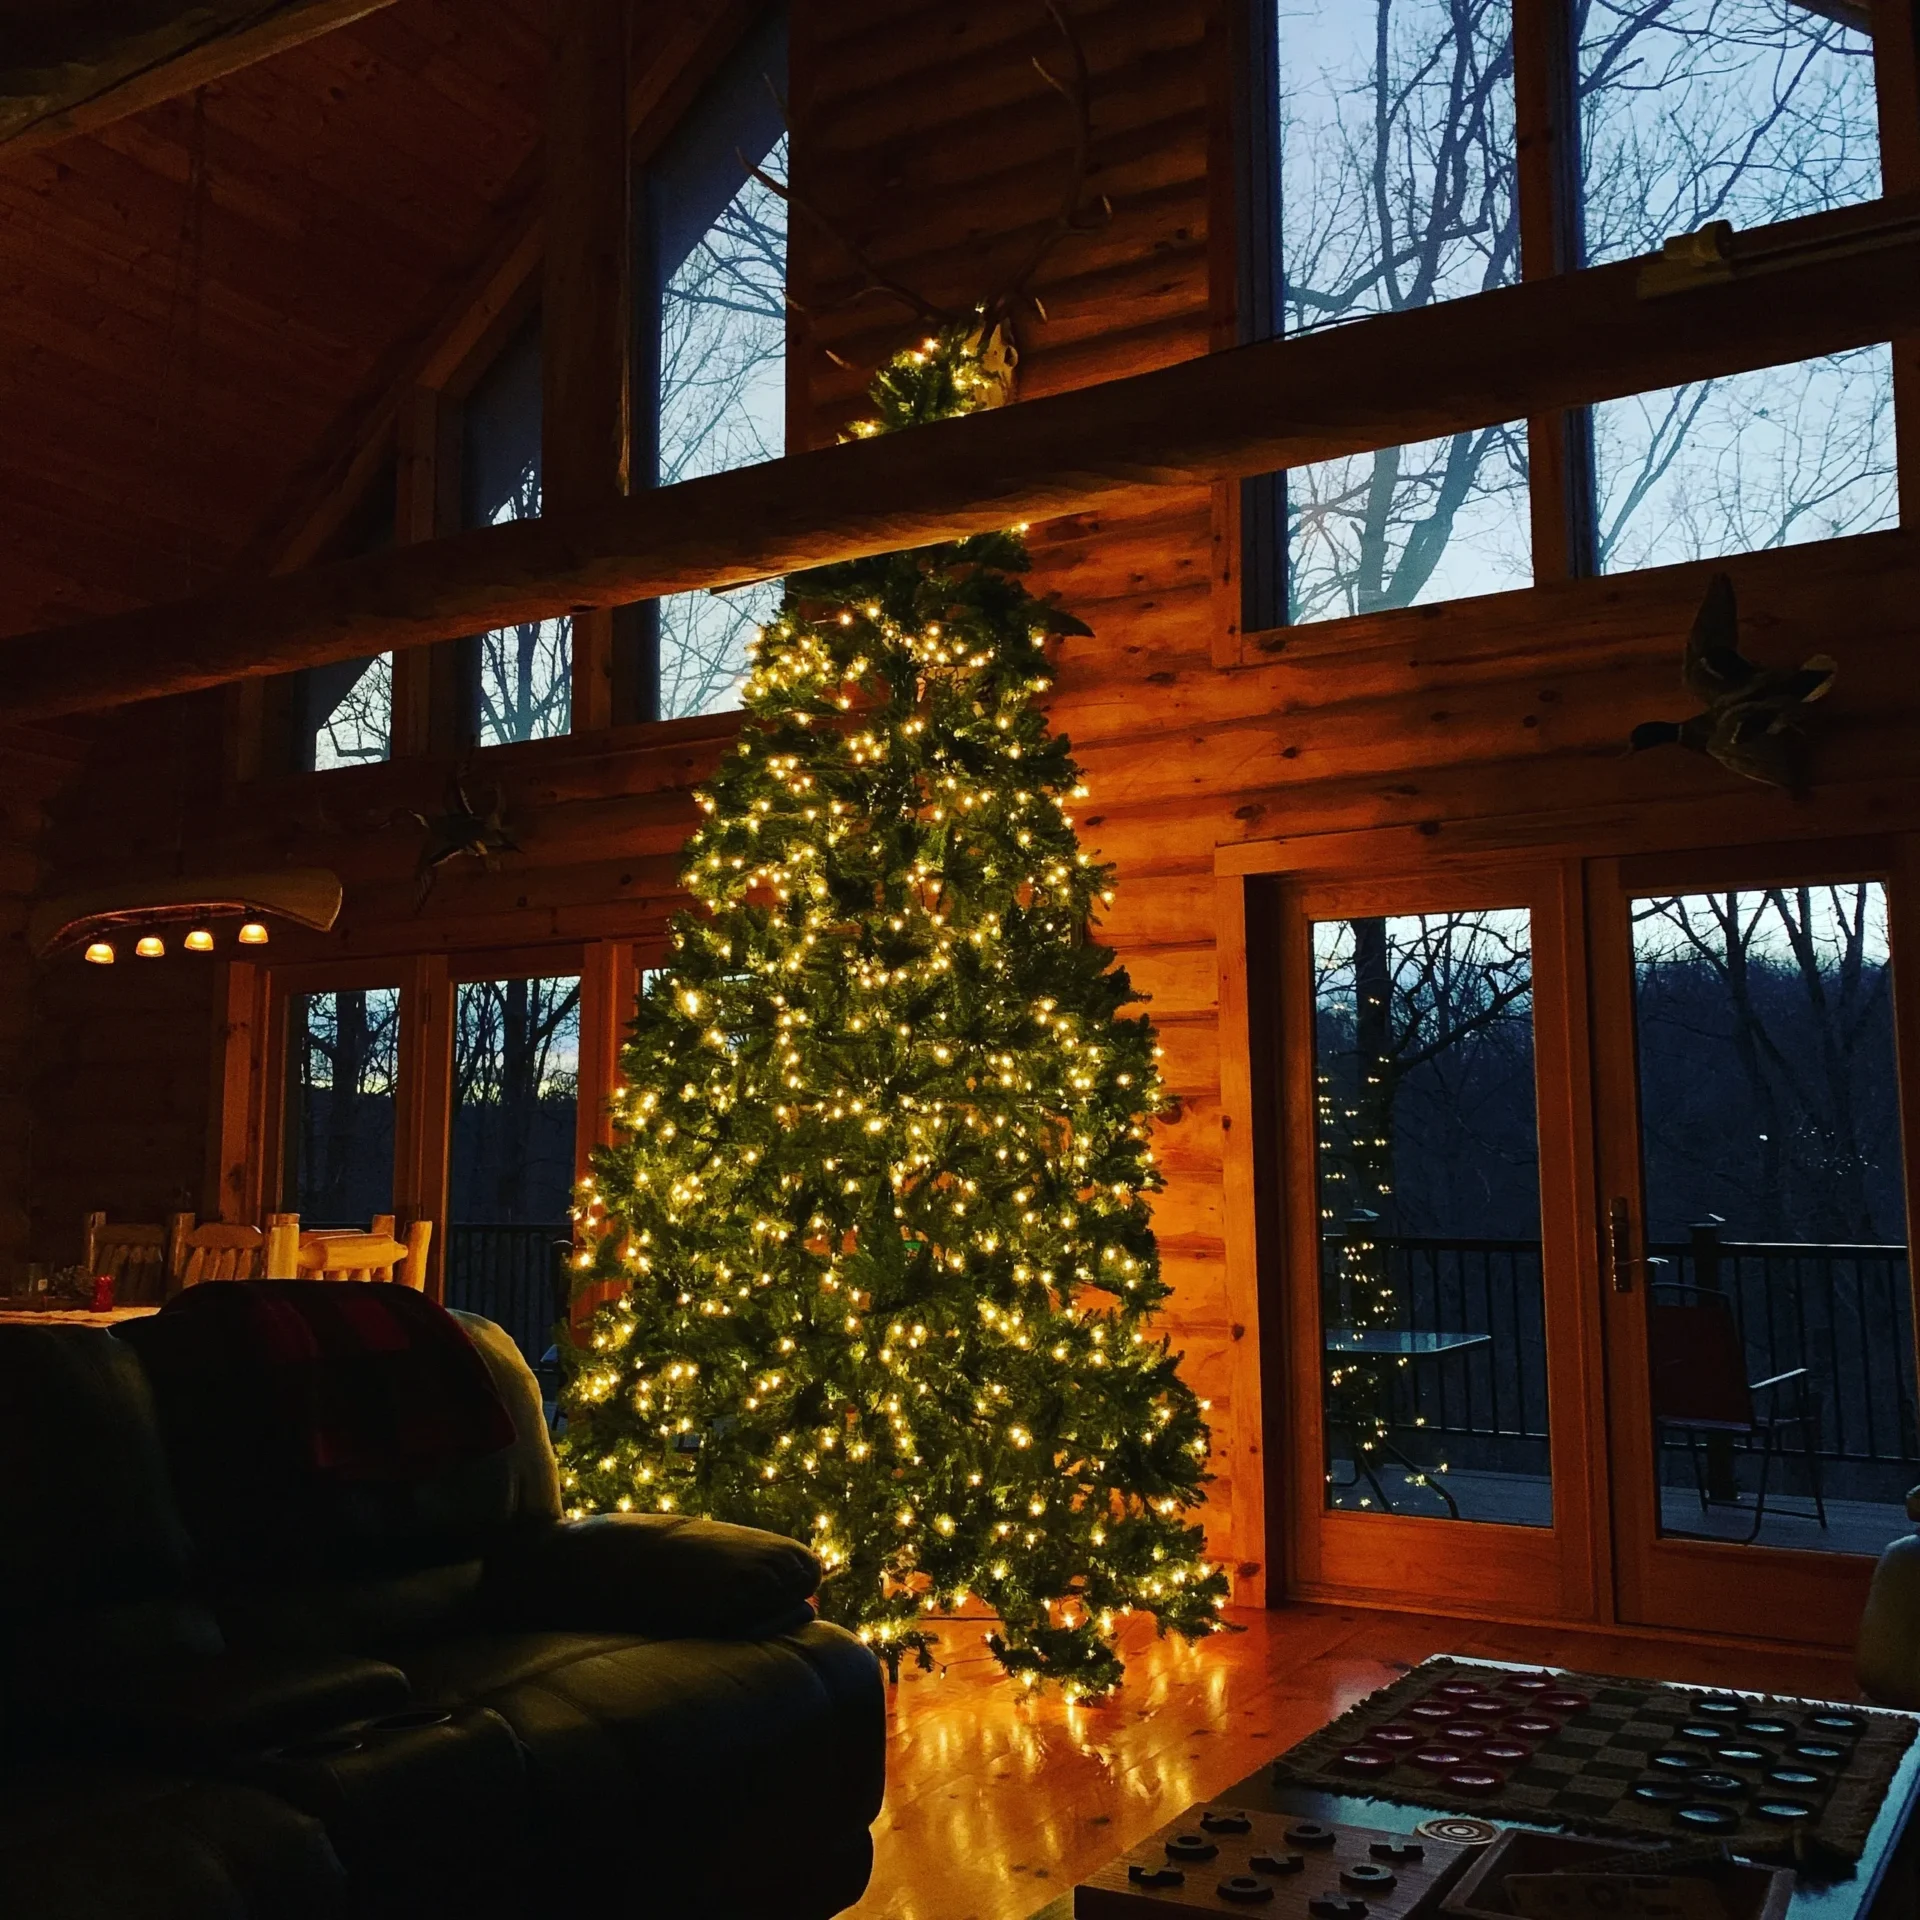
(430, 1696)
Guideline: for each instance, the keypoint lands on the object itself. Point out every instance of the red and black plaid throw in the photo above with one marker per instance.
(366, 1381)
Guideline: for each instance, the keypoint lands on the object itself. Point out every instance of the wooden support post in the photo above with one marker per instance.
(426, 506)
(423, 1107)
(1559, 443)
(586, 306)
(234, 1187)
(1896, 70)
(609, 986)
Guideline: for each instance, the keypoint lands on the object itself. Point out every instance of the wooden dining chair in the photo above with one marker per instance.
(136, 1255)
(347, 1253)
(213, 1250)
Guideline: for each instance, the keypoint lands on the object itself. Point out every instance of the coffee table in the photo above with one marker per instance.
(1885, 1885)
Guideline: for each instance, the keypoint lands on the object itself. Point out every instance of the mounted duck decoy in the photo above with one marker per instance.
(461, 832)
(1754, 720)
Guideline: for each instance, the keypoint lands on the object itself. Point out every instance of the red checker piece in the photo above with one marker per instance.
(1460, 1689)
(1564, 1702)
(1463, 1733)
(1530, 1683)
(1395, 1735)
(1368, 1760)
(1473, 1780)
(1504, 1753)
(1530, 1726)
(1439, 1759)
(1487, 1709)
(1432, 1710)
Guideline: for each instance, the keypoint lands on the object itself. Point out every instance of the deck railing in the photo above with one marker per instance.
(1842, 1311)
(512, 1275)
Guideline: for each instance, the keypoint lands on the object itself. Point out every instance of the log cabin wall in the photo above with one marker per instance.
(926, 134)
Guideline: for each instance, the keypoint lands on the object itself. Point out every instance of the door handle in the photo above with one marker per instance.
(1621, 1258)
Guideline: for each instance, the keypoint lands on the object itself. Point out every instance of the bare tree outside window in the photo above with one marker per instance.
(358, 728)
(1750, 111)
(722, 404)
(516, 1076)
(525, 689)
(344, 1057)
(1396, 153)
(1396, 139)
(1767, 1064)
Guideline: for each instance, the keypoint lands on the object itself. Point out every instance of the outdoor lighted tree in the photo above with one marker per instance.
(879, 1210)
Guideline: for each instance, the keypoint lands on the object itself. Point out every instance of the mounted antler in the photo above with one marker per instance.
(995, 313)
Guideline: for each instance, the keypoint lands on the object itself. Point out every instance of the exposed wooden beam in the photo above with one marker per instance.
(1494, 357)
(468, 317)
(69, 71)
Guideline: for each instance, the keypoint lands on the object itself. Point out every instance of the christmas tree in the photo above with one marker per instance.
(878, 1211)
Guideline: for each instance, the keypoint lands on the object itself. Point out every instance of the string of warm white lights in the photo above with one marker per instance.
(876, 1228)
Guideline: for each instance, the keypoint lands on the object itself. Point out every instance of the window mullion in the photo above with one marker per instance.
(1547, 184)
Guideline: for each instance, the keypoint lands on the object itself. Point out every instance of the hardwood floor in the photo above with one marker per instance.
(997, 1803)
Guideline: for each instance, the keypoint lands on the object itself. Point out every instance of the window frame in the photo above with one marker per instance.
(1250, 562)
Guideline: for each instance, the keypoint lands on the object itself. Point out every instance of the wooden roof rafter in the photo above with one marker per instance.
(69, 73)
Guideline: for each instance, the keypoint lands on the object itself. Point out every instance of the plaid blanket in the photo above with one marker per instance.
(366, 1382)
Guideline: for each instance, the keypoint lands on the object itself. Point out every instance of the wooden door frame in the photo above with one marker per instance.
(1807, 1596)
(1520, 1573)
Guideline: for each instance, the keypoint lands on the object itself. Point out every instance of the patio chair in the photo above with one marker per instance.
(1701, 1390)
(138, 1256)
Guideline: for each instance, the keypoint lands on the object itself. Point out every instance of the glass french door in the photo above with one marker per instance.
(1752, 1230)
(1441, 1403)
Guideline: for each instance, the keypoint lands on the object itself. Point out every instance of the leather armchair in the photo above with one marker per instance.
(444, 1697)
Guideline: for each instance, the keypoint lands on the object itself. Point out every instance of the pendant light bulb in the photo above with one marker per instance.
(100, 954)
(149, 946)
(253, 934)
(198, 941)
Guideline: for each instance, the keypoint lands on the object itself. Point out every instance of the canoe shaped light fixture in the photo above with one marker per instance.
(306, 896)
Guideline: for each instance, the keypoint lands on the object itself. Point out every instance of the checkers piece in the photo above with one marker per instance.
(1395, 1737)
(1349, 1873)
(1431, 1710)
(1785, 1812)
(1531, 1726)
(1226, 1820)
(1269, 1861)
(1369, 1761)
(1488, 1709)
(1459, 1690)
(1474, 1780)
(1742, 1756)
(1767, 1729)
(1721, 1707)
(1842, 1724)
(1795, 1779)
(1530, 1683)
(1463, 1733)
(1659, 1793)
(1245, 1889)
(1504, 1753)
(1438, 1759)
(1564, 1703)
(1818, 1753)
(1699, 1818)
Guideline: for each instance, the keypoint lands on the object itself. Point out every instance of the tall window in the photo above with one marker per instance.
(1380, 176)
(520, 678)
(341, 715)
(715, 343)
(1387, 163)
(1750, 111)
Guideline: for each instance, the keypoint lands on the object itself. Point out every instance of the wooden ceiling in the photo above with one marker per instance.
(168, 385)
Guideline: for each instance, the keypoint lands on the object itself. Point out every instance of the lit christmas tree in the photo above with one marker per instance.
(878, 1211)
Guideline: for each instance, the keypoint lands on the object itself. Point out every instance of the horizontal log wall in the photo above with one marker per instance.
(925, 130)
